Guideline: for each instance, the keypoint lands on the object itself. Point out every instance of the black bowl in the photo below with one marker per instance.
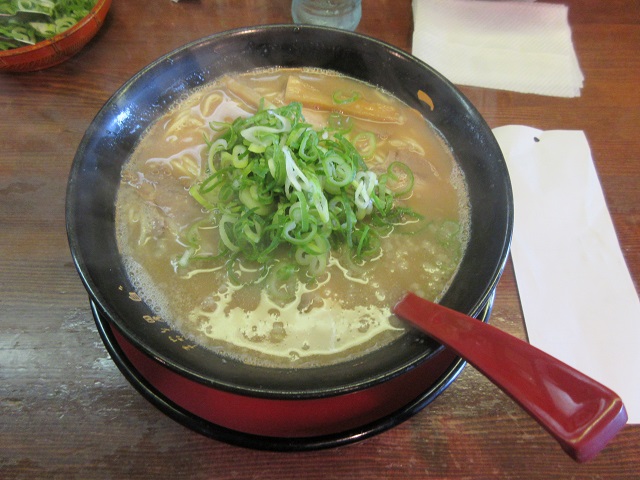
(110, 139)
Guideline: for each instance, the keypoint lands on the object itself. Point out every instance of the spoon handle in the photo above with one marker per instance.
(580, 413)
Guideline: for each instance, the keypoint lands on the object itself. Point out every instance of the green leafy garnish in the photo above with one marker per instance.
(274, 184)
(340, 97)
(31, 21)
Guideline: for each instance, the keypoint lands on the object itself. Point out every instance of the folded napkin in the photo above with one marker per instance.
(578, 298)
(507, 45)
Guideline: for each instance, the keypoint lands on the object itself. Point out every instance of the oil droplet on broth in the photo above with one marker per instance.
(293, 335)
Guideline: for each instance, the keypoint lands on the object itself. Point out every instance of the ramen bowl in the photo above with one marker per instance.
(58, 48)
(266, 407)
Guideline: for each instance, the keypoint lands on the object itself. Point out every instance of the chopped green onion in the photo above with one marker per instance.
(399, 179)
(57, 17)
(341, 98)
(271, 181)
(340, 123)
(365, 142)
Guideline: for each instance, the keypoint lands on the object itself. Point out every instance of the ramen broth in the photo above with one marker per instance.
(346, 310)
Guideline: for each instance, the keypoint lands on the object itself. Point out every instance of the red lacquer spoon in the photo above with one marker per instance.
(580, 413)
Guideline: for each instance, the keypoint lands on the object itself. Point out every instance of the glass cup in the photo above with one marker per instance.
(343, 14)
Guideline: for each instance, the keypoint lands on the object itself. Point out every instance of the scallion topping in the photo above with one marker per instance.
(31, 21)
(283, 196)
(341, 98)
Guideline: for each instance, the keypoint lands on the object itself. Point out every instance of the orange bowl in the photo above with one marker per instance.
(58, 48)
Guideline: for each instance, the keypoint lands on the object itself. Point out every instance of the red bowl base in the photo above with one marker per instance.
(281, 424)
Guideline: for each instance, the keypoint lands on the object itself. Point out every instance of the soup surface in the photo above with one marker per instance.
(175, 247)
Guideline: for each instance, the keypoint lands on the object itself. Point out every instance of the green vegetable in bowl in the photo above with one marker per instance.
(272, 180)
(27, 22)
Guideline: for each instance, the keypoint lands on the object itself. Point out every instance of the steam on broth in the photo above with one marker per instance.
(304, 306)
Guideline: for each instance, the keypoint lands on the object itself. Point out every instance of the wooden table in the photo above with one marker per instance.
(66, 411)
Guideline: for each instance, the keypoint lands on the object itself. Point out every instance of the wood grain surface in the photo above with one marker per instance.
(66, 412)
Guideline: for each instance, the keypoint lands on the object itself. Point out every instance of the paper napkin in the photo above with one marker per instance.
(508, 45)
(579, 301)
